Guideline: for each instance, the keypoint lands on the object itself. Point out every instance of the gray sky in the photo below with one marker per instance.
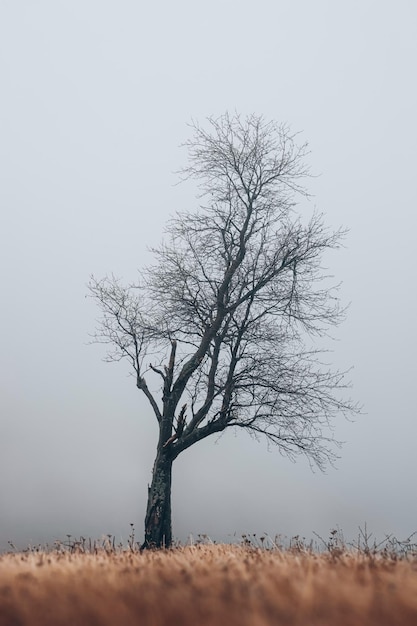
(95, 98)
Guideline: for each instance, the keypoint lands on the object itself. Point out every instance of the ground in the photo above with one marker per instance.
(207, 585)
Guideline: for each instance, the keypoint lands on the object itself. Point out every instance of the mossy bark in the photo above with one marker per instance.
(158, 525)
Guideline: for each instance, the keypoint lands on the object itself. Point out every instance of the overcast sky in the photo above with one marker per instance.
(95, 100)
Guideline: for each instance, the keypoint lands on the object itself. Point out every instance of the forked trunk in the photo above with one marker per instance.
(158, 527)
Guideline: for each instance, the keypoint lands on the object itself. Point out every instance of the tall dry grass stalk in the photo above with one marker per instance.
(206, 585)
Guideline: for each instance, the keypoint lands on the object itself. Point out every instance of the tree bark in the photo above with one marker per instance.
(158, 526)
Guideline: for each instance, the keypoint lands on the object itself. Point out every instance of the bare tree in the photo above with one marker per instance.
(227, 315)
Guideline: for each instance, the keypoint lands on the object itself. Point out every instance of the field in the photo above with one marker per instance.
(207, 585)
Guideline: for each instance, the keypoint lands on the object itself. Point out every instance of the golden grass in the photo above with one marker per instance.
(206, 585)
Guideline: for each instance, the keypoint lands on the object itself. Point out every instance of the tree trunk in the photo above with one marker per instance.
(158, 528)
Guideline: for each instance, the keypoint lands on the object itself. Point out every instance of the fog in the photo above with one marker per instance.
(95, 101)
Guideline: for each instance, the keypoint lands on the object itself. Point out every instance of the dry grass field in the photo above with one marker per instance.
(207, 585)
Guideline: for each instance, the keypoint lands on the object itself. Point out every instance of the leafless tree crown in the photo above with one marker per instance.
(224, 315)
